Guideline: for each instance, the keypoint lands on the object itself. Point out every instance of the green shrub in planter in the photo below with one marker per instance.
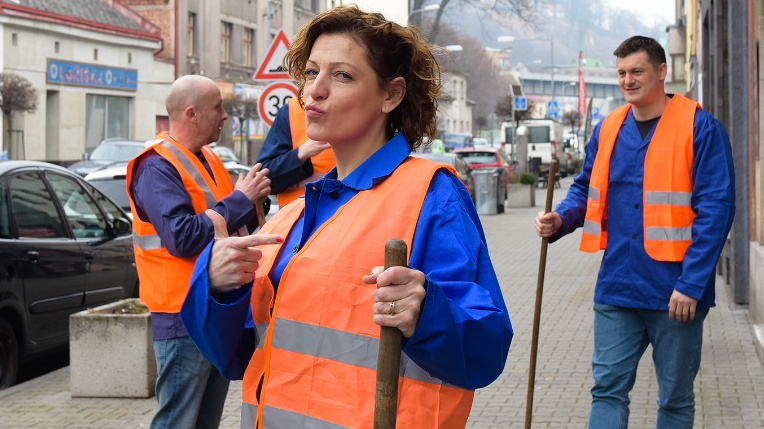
(527, 178)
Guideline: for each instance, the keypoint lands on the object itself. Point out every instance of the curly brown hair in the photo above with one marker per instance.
(392, 51)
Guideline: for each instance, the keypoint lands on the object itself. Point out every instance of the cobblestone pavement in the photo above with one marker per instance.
(729, 388)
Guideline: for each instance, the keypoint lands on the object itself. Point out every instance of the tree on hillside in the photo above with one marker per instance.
(484, 85)
(496, 10)
(18, 95)
(504, 108)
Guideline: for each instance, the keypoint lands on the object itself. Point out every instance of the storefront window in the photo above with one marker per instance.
(107, 116)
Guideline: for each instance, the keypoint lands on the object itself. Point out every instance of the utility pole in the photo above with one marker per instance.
(551, 50)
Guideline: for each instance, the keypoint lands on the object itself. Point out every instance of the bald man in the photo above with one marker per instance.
(170, 185)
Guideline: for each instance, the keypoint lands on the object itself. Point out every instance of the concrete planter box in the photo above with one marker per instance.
(520, 195)
(111, 354)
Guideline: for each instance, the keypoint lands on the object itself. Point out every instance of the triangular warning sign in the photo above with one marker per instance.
(271, 68)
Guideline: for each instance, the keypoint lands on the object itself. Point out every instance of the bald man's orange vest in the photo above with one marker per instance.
(667, 183)
(316, 342)
(322, 163)
(165, 278)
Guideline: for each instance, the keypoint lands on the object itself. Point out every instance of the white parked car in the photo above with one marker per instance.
(111, 181)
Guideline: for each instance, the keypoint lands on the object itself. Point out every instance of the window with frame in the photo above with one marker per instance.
(677, 68)
(191, 35)
(226, 29)
(83, 213)
(112, 211)
(106, 116)
(249, 36)
(33, 208)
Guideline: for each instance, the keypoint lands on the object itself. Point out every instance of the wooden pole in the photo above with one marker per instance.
(389, 358)
(539, 292)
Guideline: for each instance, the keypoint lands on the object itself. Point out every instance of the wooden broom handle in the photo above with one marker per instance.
(389, 358)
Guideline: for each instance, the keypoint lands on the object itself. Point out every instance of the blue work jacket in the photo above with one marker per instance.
(628, 277)
(464, 331)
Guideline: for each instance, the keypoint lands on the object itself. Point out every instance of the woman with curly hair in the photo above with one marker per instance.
(317, 298)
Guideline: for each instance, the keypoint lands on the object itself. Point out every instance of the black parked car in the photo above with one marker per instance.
(64, 247)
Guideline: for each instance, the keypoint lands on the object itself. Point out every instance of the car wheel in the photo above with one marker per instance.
(9, 355)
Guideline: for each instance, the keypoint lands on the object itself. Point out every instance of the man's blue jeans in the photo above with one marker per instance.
(621, 336)
(190, 391)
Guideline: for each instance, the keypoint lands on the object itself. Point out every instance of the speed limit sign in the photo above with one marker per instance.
(274, 96)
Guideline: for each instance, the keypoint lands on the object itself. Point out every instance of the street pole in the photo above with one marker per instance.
(551, 50)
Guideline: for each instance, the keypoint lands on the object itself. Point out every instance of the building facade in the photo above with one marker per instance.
(226, 40)
(716, 47)
(148, 42)
(454, 109)
(94, 72)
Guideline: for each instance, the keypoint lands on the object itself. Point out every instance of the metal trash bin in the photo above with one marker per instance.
(501, 191)
(486, 183)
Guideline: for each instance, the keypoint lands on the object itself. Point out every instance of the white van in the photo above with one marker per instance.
(545, 141)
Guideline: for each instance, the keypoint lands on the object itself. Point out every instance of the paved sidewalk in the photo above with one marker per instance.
(729, 388)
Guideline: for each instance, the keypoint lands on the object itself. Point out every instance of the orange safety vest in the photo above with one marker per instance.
(667, 183)
(316, 355)
(322, 163)
(165, 278)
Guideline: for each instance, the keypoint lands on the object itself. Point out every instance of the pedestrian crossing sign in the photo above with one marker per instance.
(521, 103)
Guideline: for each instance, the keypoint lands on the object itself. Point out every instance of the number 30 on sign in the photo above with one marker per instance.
(274, 96)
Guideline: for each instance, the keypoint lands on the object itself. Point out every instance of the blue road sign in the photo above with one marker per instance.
(595, 112)
(552, 106)
(521, 103)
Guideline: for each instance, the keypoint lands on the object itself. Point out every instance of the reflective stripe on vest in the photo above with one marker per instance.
(318, 363)
(667, 184)
(164, 277)
(147, 242)
(195, 174)
(341, 346)
(322, 163)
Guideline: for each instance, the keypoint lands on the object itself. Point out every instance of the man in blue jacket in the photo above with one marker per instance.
(657, 193)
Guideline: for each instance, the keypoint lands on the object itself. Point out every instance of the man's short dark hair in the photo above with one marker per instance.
(655, 53)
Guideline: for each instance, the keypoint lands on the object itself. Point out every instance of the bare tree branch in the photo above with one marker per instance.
(18, 94)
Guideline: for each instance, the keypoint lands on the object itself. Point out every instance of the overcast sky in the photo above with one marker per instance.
(651, 11)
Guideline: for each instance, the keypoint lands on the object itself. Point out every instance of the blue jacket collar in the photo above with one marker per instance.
(380, 165)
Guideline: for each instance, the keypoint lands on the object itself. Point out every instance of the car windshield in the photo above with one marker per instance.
(479, 157)
(116, 152)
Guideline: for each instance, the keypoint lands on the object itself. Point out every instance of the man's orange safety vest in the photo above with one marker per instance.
(315, 361)
(322, 163)
(164, 278)
(667, 184)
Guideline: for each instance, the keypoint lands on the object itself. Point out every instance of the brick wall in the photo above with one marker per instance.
(162, 14)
